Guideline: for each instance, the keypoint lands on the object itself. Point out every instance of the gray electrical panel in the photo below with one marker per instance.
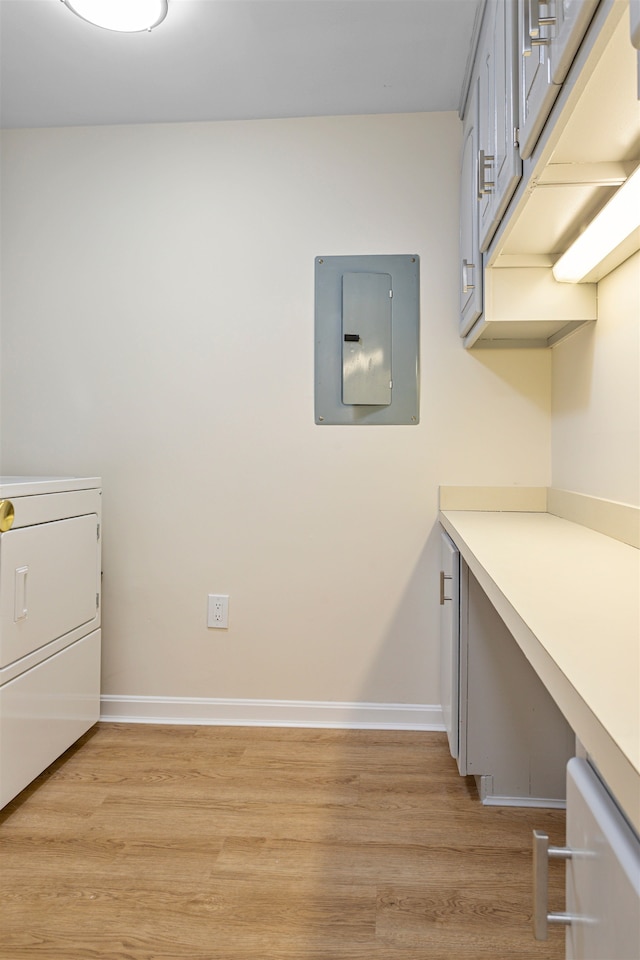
(367, 320)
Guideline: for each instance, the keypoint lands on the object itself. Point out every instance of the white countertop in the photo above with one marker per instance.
(571, 598)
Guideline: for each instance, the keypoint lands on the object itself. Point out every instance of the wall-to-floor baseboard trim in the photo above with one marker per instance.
(272, 713)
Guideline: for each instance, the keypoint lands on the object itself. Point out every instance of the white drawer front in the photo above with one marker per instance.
(49, 582)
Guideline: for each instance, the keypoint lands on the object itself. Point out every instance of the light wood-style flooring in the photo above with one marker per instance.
(236, 843)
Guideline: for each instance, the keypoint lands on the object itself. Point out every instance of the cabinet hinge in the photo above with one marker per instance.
(98, 532)
(390, 293)
(97, 601)
(516, 136)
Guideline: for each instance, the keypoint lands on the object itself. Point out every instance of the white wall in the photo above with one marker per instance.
(596, 396)
(158, 331)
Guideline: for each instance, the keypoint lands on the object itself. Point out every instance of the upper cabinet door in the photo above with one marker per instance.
(470, 258)
(549, 37)
(570, 19)
(486, 72)
(537, 90)
(499, 161)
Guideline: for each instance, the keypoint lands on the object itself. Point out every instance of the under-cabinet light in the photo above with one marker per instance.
(125, 16)
(615, 230)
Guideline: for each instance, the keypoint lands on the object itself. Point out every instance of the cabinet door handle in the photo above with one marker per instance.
(531, 33)
(443, 579)
(484, 162)
(535, 22)
(542, 853)
(466, 286)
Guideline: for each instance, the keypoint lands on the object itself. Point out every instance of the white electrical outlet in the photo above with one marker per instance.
(218, 610)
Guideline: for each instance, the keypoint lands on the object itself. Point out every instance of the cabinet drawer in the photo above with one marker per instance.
(45, 710)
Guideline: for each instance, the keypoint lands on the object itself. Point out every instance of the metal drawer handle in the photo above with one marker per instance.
(542, 853)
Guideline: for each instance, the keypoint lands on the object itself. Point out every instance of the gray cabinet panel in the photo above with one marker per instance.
(514, 739)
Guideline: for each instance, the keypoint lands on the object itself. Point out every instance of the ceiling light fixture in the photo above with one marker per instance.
(125, 16)
(611, 237)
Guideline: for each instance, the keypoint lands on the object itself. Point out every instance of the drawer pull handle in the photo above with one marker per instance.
(542, 853)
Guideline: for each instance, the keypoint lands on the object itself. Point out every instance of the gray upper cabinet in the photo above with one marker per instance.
(549, 35)
(470, 274)
(572, 17)
(499, 163)
(549, 133)
(537, 89)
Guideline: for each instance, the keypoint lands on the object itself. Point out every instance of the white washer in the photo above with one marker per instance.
(50, 549)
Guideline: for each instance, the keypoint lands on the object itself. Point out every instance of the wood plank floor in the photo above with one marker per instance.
(235, 843)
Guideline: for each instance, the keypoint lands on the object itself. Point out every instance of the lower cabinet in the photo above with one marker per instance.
(602, 857)
(504, 728)
(513, 738)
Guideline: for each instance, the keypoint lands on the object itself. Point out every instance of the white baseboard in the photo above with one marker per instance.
(549, 804)
(489, 799)
(272, 713)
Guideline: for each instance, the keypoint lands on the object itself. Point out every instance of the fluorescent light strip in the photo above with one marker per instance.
(124, 16)
(614, 225)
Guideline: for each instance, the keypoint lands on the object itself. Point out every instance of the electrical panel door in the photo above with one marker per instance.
(366, 338)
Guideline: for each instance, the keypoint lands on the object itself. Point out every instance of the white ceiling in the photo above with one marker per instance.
(233, 59)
